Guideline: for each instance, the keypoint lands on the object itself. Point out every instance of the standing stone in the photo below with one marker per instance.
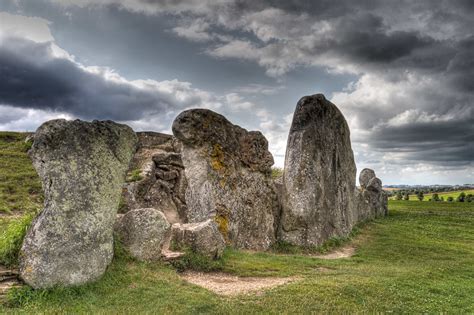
(160, 183)
(203, 238)
(319, 175)
(228, 171)
(82, 166)
(372, 201)
(143, 233)
(365, 176)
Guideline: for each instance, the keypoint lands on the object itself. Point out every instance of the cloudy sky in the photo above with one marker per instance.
(402, 72)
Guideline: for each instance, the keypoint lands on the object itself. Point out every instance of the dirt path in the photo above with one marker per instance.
(229, 285)
(343, 252)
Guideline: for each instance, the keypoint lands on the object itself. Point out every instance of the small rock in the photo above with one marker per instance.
(375, 185)
(143, 233)
(203, 238)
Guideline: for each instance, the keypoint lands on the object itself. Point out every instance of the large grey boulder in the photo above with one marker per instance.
(371, 200)
(227, 169)
(160, 183)
(319, 175)
(202, 237)
(82, 166)
(143, 233)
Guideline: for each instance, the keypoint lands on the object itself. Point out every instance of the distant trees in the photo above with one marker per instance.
(420, 196)
(404, 194)
(399, 195)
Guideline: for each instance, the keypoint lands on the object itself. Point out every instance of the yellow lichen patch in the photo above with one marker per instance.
(222, 220)
(217, 158)
(222, 183)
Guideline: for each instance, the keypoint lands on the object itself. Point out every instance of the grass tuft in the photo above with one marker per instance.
(196, 262)
(11, 239)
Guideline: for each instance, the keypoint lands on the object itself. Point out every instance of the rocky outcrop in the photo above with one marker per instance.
(143, 233)
(371, 199)
(203, 238)
(227, 169)
(82, 166)
(156, 177)
(319, 175)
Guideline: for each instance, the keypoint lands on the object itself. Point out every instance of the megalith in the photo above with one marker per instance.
(82, 166)
(371, 200)
(319, 175)
(228, 174)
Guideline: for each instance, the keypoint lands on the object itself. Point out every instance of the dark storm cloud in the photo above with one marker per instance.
(32, 77)
(447, 142)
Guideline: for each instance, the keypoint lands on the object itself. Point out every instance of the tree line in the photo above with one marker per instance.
(463, 197)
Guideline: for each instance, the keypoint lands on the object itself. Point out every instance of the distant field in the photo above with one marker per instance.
(447, 194)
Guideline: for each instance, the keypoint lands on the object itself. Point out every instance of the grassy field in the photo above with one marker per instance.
(419, 259)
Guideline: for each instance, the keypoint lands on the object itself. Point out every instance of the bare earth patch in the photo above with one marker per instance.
(343, 252)
(229, 285)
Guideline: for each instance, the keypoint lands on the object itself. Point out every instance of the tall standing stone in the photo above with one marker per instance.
(319, 175)
(82, 166)
(228, 171)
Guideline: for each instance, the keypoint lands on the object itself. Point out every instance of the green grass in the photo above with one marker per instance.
(417, 260)
(20, 187)
(420, 259)
(11, 237)
(446, 194)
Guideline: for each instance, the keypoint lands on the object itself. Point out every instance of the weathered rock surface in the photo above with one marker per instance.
(319, 175)
(227, 169)
(365, 176)
(203, 238)
(82, 166)
(371, 199)
(161, 183)
(143, 233)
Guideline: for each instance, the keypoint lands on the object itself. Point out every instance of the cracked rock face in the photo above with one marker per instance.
(161, 183)
(319, 175)
(82, 166)
(227, 169)
(143, 233)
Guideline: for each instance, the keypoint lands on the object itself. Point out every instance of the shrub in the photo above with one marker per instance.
(12, 238)
(461, 197)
